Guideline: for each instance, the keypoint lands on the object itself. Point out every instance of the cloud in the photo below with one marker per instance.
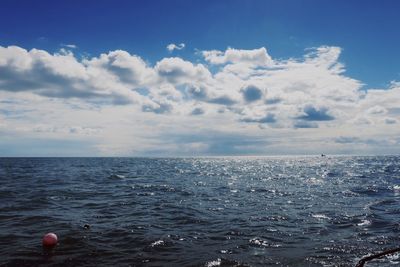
(223, 100)
(178, 71)
(352, 141)
(274, 100)
(61, 76)
(390, 121)
(70, 46)
(305, 125)
(214, 143)
(120, 78)
(172, 47)
(197, 111)
(377, 110)
(76, 129)
(203, 93)
(122, 67)
(347, 140)
(258, 57)
(269, 118)
(252, 93)
(244, 90)
(314, 114)
(158, 108)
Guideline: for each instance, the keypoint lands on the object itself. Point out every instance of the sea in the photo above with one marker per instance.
(217, 211)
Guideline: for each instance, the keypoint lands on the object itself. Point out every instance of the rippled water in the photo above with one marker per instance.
(287, 211)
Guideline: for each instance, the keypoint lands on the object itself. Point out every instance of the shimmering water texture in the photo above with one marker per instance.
(287, 211)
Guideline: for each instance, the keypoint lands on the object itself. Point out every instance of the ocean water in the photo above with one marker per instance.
(272, 211)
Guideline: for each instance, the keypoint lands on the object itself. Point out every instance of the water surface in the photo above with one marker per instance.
(283, 211)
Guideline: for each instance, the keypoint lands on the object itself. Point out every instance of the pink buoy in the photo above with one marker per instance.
(50, 240)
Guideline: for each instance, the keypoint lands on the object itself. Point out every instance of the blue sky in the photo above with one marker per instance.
(355, 42)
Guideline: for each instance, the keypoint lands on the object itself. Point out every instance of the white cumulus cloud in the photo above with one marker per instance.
(258, 57)
(172, 47)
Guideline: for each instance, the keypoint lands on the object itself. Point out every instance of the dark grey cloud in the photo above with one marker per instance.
(126, 67)
(269, 118)
(215, 144)
(172, 74)
(177, 70)
(347, 140)
(235, 145)
(222, 100)
(125, 75)
(197, 92)
(45, 81)
(271, 101)
(390, 121)
(202, 93)
(15, 114)
(305, 124)
(313, 114)
(142, 91)
(251, 93)
(38, 78)
(158, 108)
(394, 111)
(197, 111)
(358, 140)
(47, 147)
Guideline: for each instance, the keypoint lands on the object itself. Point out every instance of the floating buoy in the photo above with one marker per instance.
(49, 240)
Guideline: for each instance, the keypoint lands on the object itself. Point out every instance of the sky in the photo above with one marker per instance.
(199, 78)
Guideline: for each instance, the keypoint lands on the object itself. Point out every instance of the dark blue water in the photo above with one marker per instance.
(288, 211)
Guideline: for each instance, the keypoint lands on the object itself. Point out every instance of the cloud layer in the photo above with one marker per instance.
(241, 91)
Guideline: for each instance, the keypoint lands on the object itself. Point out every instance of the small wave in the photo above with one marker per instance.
(320, 216)
(314, 181)
(394, 258)
(396, 190)
(216, 262)
(369, 190)
(157, 243)
(262, 243)
(117, 176)
(364, 223)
